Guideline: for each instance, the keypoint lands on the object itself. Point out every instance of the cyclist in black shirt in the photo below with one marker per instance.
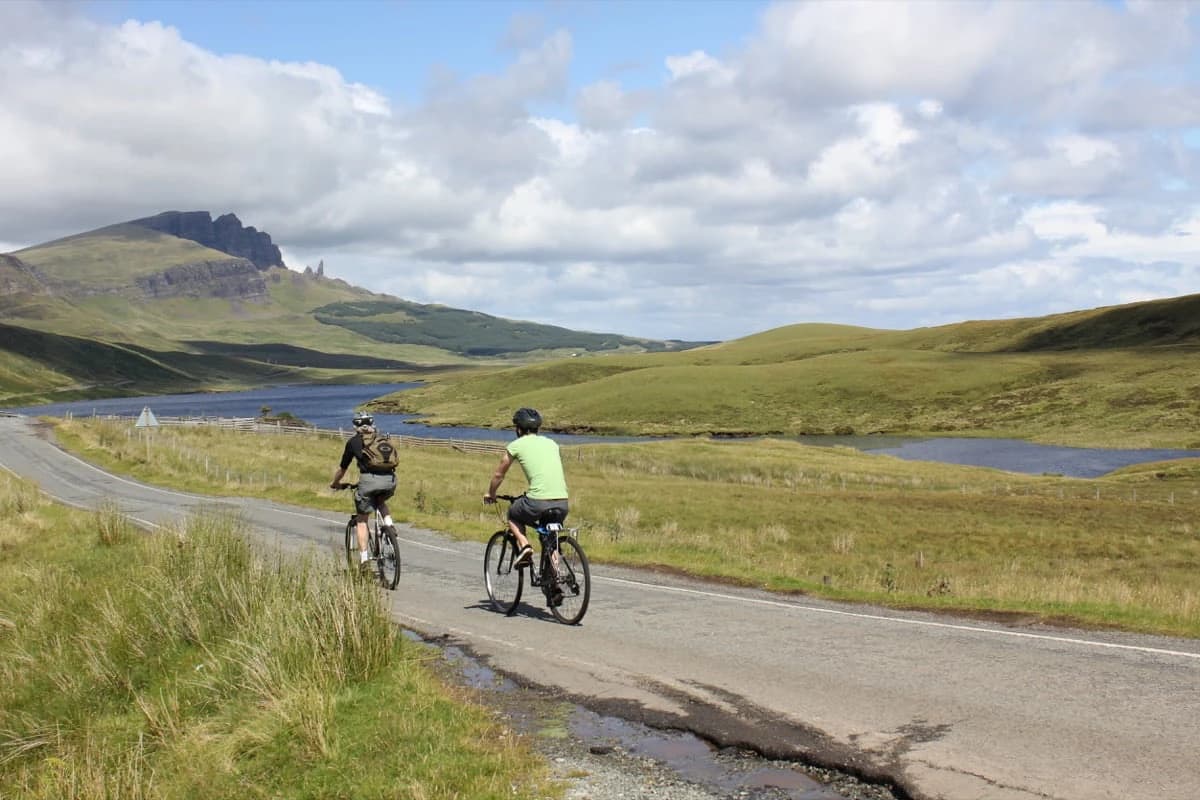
(374, 488)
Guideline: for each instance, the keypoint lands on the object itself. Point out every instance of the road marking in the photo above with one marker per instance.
(202, 498)
(734, 598)
(79, 506)
(902, 620)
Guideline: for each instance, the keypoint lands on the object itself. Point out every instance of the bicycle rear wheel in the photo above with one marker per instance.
(352, 557)
(574, 580)
(504, 581)
(389, 559)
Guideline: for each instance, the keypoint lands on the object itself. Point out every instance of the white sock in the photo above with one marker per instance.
(387, 519)
(364, 556)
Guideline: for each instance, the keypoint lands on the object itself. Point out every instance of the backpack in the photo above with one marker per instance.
(378, 453)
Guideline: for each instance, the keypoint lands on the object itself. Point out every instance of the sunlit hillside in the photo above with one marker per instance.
(1120, 376)
(127, 309)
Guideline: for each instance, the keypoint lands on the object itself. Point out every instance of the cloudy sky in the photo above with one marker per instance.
(694, 170)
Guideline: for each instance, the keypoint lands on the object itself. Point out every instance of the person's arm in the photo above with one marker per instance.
(343, 465)
(337, 478)
(498, 477)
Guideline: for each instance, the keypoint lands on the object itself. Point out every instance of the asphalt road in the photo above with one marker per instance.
(942, 707)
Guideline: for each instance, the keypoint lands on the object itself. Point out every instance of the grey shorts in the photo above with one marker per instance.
(373, 489)
(526, 510)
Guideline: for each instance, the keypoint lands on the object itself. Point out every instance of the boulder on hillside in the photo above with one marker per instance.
(226, 234)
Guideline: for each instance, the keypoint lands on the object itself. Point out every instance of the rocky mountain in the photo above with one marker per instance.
(226, 233)
(208, 302)
(235, 277)
(17, 277)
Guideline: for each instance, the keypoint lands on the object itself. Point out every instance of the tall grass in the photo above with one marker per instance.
(188, 663)
(1120, 551)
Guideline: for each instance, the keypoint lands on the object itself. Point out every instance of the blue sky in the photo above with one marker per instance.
(694, 170)
(393, 45)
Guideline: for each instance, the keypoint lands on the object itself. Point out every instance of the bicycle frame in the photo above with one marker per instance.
(548, 544)
(382, 545)
(561, 572)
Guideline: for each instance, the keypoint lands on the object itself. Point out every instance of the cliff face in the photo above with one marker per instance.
(226, 234)
(236, 277)
(17, 277)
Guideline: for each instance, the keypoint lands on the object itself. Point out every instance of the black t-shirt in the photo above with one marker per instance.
(354, 452)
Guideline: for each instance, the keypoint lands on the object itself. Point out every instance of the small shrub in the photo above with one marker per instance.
(625, 521)
(940, 588)
(18, 497)
(888, 579)
(111, 525)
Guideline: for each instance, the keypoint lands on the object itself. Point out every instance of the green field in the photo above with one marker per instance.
(188, 664)
(1119, 551)
(1120, 376)
(1010, 378)
(111, 257)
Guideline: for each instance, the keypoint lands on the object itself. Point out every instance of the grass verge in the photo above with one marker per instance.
(186, 664)
(1120, 551)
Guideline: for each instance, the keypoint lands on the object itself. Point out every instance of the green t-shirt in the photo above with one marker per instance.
(538, 456)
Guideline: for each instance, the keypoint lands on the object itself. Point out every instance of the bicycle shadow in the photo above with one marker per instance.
(523, 610)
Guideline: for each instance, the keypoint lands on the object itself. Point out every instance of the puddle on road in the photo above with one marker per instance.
(476, 675)
(734, 773)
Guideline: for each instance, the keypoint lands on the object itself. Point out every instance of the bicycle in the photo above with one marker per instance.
(567, 585)
(382, 543)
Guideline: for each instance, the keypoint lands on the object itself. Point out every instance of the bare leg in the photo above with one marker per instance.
(518, 531)
(361, 528)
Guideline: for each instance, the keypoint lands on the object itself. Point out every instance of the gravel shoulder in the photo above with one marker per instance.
(597, 756)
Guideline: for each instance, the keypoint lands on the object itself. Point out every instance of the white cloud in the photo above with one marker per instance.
(699, 65)
(930, 109)
(1065, 221)
(877, 163)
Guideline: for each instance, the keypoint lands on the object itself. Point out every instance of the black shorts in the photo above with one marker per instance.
(526, 510)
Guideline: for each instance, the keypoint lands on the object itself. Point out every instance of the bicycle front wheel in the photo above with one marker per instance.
(352, 557)
(504, 581)
(389, 559)
(572, 588)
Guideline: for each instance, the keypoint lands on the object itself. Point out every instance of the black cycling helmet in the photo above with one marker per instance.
(362, 419)
(527, 419)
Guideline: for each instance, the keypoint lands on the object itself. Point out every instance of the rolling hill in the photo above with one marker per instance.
(139, 307)
(1117, 376)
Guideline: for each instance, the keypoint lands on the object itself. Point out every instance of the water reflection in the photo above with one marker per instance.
(1013, 455)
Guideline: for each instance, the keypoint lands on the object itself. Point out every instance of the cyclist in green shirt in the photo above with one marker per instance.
(540, 459)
